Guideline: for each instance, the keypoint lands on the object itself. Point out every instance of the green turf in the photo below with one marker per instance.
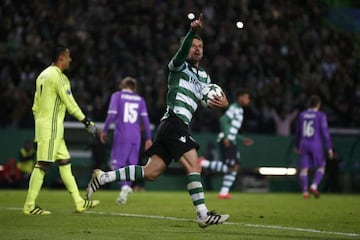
(170, 215)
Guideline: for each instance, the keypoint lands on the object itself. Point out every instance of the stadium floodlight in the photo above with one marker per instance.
(191, 16)
(277, 171)
(239, 24)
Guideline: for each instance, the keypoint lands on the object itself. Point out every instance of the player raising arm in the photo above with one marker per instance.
(173, 140)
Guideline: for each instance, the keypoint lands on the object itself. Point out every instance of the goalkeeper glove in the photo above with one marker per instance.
(90, 127)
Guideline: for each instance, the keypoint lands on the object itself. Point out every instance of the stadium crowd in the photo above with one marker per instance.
(284, 53)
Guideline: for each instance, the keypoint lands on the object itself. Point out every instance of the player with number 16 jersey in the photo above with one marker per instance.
(312, 131)
(311, 134)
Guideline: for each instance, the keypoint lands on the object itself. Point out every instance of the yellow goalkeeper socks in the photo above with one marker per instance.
(69, 182)
(35, 183)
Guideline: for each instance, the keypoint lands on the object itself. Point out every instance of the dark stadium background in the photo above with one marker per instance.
(286, 51)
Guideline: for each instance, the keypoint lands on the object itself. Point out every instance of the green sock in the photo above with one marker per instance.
(228, 181)
(69, 182)
(35, 183)
(129, 173)
(196, 192)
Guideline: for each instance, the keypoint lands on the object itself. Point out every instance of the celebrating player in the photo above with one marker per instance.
(53, 97)
(174, 141)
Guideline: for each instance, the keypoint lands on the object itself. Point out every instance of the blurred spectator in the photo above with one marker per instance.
(284, 49)
(99, 111)
(27, 159)
(283, 121)
(10, 175)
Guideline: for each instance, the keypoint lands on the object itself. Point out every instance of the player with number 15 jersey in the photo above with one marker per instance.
(127, 110)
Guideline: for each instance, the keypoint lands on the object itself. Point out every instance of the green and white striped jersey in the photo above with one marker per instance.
(231, 122)
(184, 84)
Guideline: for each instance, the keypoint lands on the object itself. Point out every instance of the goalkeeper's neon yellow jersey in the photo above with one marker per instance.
(53, 97)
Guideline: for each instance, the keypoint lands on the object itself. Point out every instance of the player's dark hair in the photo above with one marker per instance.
(196, 36)
(57, 51)
(241, 91)
(128, 82)
(313, 101)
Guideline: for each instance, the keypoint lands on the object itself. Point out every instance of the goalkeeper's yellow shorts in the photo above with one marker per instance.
(52, 150)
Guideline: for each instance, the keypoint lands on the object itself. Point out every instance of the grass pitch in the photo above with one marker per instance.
(170, 215)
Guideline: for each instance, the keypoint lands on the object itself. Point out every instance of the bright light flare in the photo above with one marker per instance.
(239, 24)
(277, 171)
(191, 16)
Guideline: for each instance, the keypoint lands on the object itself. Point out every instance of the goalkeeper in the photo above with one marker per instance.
(53, 97)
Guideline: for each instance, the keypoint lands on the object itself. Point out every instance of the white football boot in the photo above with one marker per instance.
(212, 219)
(96, 181)
(124, 194)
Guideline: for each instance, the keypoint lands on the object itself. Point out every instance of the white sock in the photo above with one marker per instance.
(202, 211)
(228, 182)
(218, 166)
(108, 177)
(205, 163)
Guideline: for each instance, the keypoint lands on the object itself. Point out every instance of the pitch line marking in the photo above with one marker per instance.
(231, 223)
(278, 227)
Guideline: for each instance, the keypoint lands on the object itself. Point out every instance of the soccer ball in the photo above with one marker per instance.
(209, 92)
